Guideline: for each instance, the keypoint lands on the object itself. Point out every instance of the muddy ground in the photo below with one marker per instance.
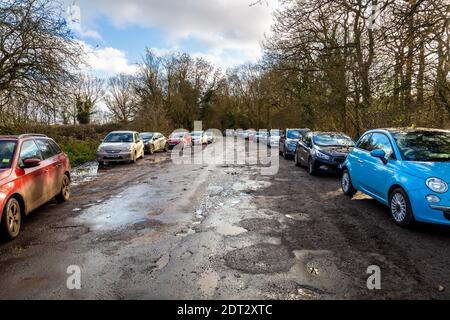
(156, 230)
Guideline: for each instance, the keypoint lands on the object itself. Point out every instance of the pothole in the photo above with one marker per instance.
(261, 258)
(260, 225)
(230, 230)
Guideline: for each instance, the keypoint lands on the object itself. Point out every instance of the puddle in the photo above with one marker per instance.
(230, 230)
(84, 173)
(125, 209)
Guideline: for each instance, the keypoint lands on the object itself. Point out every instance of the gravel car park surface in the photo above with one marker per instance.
(162, 231)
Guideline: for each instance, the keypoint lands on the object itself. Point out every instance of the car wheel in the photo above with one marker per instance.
(166, 147)
(285, 156)
(311, 169)
(400, 208)
(11, 219)
(151, 149)
(101, 163)
(64, 194)
(134, 160)
(346, 184)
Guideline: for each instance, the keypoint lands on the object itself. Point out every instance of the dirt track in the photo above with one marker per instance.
(164, 231)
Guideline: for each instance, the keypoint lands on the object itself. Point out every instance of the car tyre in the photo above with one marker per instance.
(64, 194)
(346, 184)
(166, 147)
(297, 163)
(311, 169)
(400, 208)
(151, 149)
(11, 219)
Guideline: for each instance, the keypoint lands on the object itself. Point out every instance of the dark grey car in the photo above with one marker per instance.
(323, 151)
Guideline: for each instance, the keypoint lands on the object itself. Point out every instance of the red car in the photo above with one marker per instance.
(176, 138)
(33, 170)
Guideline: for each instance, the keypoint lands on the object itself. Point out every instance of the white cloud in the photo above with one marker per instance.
(221, 25)
(106, 62)
(74, 23)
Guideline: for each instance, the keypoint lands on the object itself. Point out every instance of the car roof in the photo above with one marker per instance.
(409, 130)
(23, 136)
(123, 131)
(328, 132)
(303, 129)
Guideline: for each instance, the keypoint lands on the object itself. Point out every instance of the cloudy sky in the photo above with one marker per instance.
(115, 33)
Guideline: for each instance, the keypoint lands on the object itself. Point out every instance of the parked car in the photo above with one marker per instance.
(230, 133)
(273, 138)
(33, 171)
(406, 169)
(182, 138)
(260, 136)
(323, 151)
(211, 137)
(288, 141)
(199, 137)
(120, 146)
(154, 141)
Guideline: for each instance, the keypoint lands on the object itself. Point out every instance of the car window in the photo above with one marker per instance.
(364, 142)
(46, 149)
(7, 149)
(29, 150)
(55, 146)
(119, 137)
(381, 141)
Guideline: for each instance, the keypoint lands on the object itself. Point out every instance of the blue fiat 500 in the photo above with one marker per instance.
(406, 169)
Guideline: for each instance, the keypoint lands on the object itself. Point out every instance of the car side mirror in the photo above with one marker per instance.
(379, 153)
(31, 163)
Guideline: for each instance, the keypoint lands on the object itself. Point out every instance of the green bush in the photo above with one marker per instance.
(79, 151)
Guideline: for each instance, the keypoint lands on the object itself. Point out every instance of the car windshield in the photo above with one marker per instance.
(196, 134)
(177, 135)
(119, 137)
(424, 145)
(146, 136)
(7, 149)
(275, 133)
(330, 139)
(209, 134)
(294, 134)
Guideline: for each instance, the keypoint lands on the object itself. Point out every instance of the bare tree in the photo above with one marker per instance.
(37, 55)
(121, 99)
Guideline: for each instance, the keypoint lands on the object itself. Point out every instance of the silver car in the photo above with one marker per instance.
(154, 141)
(120, 146)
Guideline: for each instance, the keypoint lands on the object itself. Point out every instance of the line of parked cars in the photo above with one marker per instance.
(34, 169)
(408, 170)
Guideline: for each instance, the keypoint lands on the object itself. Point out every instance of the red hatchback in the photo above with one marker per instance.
(179, 138)
(33, 170)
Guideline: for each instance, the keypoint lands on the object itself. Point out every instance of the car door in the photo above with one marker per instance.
(282, 140)
(52, 167)
(377, 173)
(33, 181)
(357, 159)
(305, 148)
(139, 144)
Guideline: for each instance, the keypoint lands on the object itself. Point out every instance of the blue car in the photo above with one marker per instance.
(405, 169)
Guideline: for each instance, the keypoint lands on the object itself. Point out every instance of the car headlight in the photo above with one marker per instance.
(437, 185)
(322, 155)
(100, 149)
